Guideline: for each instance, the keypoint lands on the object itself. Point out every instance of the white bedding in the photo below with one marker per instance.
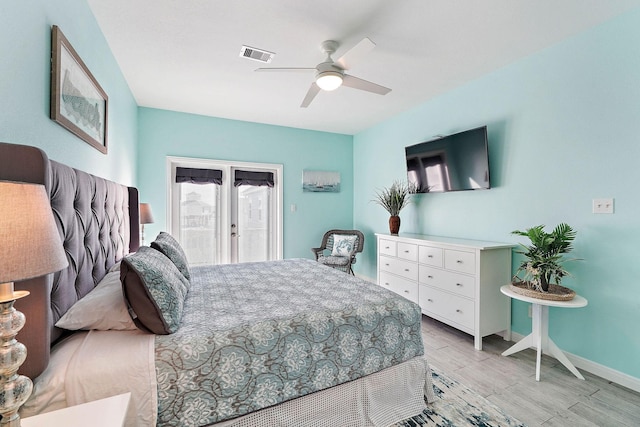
(96, 364)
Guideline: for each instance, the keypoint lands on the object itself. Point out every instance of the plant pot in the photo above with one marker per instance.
(394, 224)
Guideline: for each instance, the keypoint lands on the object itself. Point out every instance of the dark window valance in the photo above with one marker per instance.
(199, 176)
(258, 179)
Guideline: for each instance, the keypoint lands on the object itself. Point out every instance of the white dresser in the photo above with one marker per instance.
(455, 281)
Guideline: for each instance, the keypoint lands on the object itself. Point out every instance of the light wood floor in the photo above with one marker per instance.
(559, 399)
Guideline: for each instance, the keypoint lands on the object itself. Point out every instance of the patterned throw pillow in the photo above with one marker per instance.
(169, 246)
(343, 245)
(154, 290)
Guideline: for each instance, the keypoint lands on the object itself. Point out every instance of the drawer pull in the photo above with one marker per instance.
(429, 256)
(386, 247)
(406, 291)
(459, 261)
(406, 269)
(406, 252)
(386, 283)
(429, 299)
(458, 311)
(429, 277)
(458, 284)
(387, 264)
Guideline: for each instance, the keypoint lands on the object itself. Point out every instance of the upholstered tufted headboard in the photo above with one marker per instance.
(98, 224)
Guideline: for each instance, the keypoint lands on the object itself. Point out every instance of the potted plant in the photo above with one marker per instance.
(394, 199)
(544, 257)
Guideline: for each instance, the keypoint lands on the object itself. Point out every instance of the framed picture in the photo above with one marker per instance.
(78, 103)
(320, 181)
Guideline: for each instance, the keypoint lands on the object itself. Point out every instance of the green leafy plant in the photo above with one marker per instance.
(394, 198)
(545, 255)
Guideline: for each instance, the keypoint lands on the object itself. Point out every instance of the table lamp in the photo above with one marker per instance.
(30, 246)
(146, 217)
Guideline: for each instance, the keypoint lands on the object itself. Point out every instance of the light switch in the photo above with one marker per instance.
(293, 207)
(602, 206)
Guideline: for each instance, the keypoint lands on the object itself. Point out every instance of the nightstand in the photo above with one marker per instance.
(108, 412)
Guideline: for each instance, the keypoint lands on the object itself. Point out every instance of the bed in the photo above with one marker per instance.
(287, 342)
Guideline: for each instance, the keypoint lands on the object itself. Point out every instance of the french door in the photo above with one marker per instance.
(225, 212)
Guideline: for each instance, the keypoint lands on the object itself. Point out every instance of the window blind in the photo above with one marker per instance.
(257, 179)
(199, 176)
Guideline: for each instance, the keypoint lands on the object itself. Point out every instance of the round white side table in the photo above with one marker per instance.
(539, 336)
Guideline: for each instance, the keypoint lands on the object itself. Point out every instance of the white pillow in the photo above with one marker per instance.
(343, 245)
(103, 308)
(115, 267)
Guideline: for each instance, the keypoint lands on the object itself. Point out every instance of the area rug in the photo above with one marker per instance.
(457, 405)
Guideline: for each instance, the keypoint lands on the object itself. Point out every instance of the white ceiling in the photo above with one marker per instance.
(183, 55)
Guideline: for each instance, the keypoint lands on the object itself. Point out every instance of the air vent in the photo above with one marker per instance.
(256, 54)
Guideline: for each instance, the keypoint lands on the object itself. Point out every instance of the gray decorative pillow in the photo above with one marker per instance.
(343, 245)
(154, 290)
(169, 246)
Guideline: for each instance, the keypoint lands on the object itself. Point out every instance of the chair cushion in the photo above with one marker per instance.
(333, 260)
(343, 245)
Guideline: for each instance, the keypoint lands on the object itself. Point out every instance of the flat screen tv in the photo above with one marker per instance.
(450, 163)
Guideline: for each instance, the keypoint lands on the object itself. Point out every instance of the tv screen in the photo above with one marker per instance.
(451, 163)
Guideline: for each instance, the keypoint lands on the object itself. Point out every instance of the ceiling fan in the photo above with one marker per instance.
(330, 74)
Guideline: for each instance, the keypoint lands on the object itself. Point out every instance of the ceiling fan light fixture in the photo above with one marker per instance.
(329, 80)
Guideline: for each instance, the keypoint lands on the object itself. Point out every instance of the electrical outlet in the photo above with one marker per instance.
(602, 206)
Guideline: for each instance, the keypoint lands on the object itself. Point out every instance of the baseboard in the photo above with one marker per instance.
(605, 372)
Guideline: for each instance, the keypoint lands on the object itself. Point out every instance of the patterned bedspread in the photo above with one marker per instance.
(257, 334)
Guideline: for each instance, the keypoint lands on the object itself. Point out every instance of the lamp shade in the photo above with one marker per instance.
(30, 245)
(146, 216)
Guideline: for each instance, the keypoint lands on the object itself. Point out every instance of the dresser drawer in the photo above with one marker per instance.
(464, 262)
(446, 280)
(451, 307)
(387, 247)
(430, 255)
(406, 269)
(408, 251)
(399, 285)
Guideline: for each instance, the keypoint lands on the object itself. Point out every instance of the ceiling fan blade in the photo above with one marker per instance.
(311, 93)
(356, 83)
(285, 69)
(354, 54)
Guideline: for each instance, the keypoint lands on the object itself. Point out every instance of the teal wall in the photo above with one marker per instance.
(564, 128)
(165, 133)
(25, 51)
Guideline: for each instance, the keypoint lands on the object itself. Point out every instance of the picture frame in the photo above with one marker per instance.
(320, 181)
(78, 102)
